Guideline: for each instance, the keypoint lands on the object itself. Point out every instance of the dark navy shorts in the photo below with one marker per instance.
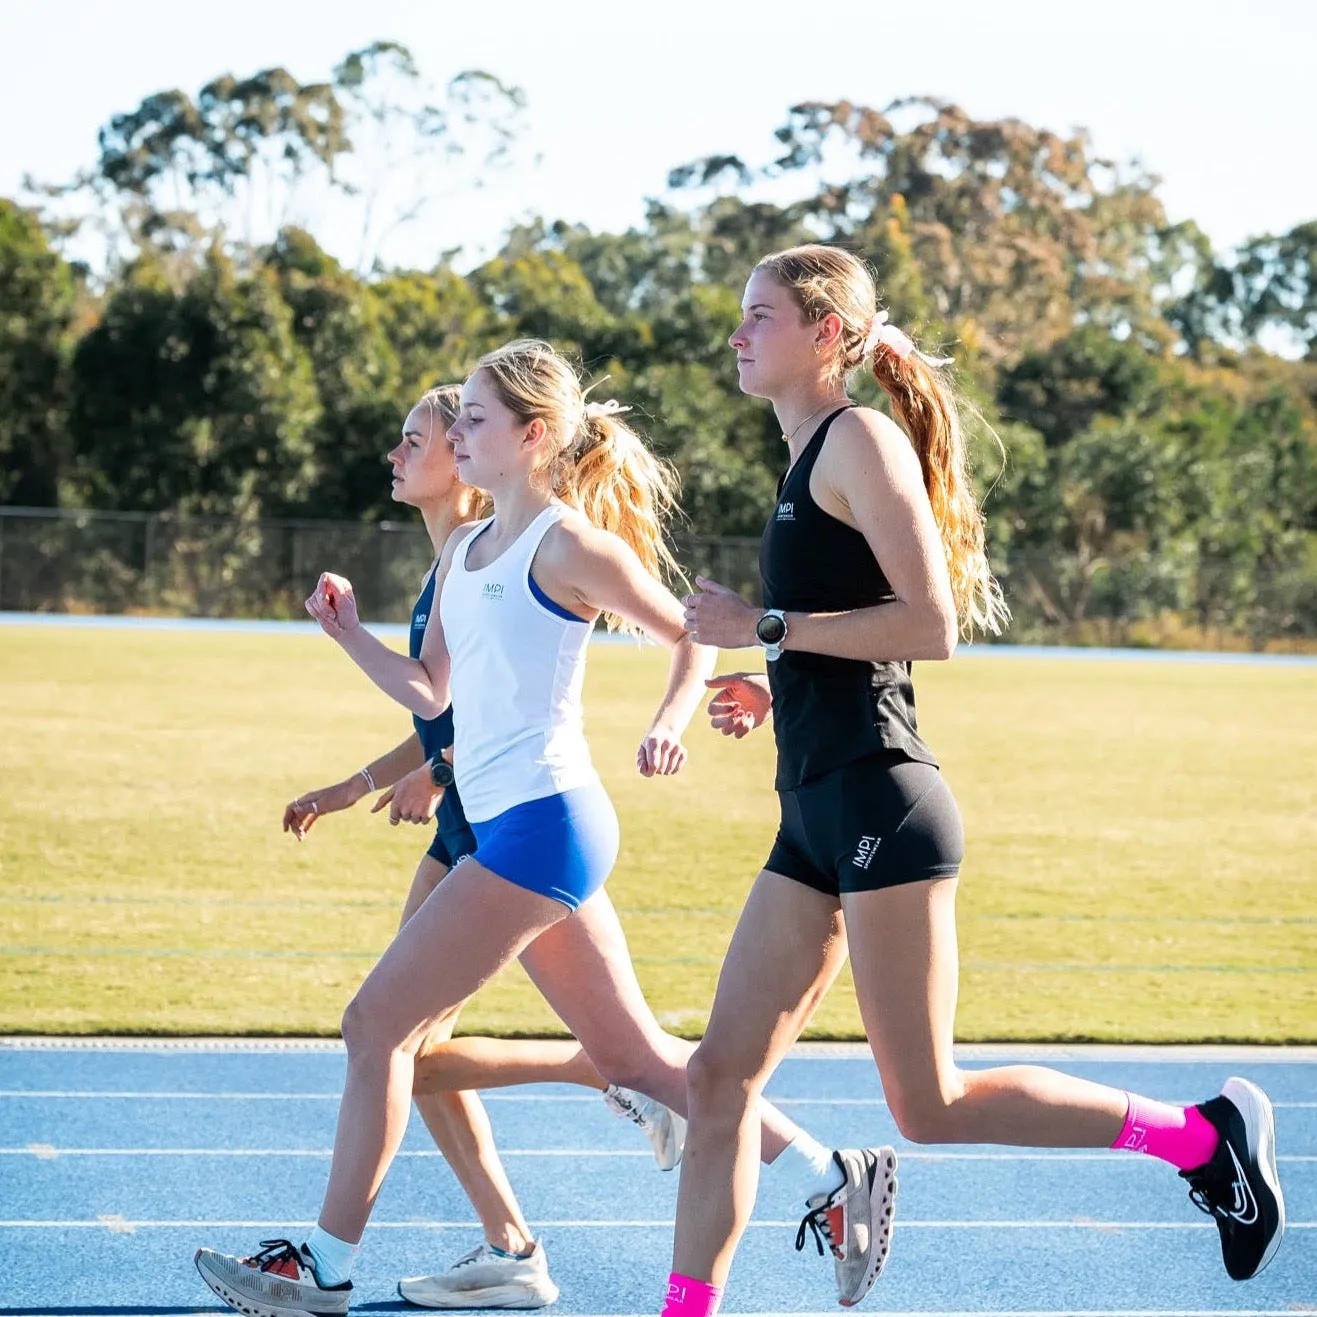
(448, 846)
(877, 822)
(561, 846)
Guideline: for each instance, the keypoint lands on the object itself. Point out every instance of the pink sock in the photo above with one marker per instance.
(1182, 1136)
(688, 1297)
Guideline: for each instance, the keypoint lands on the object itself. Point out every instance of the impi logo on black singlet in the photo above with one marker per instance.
(786, 512)
(492, 590)
(865, 852)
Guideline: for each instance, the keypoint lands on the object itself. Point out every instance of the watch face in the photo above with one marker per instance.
(441, 773)
(770, 629)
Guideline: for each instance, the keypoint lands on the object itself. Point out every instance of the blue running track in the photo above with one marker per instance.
(119, 1159)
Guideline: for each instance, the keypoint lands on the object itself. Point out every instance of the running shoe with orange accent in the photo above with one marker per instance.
(855, 1220)
(278, 1281)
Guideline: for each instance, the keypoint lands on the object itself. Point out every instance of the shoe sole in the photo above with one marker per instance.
(1260, 1130)
(251, 1307)
(882, 1217)
(494, 1296)
(668, 1156)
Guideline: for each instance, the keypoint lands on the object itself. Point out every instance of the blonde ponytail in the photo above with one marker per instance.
(596, 462)
(926, 409)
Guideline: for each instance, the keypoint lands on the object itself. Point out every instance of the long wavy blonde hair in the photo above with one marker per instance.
(595, 462)
(827, 280)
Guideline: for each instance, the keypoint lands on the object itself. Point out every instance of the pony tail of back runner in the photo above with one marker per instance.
(829, 280)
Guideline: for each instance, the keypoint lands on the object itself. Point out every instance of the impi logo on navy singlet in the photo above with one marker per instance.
(419, 621)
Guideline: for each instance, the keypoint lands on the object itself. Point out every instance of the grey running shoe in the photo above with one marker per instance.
(665, 1129)
(1239, 1187)
(855, 1221)
(278, 1281)
(485, 1278)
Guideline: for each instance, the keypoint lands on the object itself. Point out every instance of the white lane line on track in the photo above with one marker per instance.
(172, 1095)
(122, 1224)
(1124, 1053)
(49, 1152)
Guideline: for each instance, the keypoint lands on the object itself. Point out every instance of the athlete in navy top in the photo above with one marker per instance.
(453, 837)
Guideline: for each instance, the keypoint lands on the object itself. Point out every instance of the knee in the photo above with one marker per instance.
(714, 1081)
(364, 1028)
(924, 1114)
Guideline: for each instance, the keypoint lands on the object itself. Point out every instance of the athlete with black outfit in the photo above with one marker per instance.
(872, 558)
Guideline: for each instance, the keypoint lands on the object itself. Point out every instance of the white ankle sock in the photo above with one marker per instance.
(810, 1166)
(333, 1257)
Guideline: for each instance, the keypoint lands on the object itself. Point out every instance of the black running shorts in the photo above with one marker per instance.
(876, 822)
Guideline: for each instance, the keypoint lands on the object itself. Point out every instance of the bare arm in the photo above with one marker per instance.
(301, 813)
(420, 685)
(592, 571)
(870, 479)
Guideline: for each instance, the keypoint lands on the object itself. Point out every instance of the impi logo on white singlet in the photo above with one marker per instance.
(492, 590)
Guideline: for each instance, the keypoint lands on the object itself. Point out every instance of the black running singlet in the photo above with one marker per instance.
(829, 711)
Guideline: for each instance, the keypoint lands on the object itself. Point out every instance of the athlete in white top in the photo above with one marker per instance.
(576, 532)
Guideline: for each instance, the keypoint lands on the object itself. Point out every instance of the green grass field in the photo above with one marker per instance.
(1140, 863)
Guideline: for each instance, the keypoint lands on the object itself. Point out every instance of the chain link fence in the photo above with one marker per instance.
(127, 562)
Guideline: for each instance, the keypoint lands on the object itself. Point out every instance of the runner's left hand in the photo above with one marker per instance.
(718, 616)
(661, 753)
(413, 799)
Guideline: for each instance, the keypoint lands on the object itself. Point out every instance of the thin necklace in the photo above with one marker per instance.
(787, 438)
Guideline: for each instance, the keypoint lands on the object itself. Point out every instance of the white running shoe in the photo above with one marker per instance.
(485, 1278)
(855, 1220)
(665, 1129)
(278, 1281)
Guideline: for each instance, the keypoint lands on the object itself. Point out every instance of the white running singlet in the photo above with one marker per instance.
(517, 672)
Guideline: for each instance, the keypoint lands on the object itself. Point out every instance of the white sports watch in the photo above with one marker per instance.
(771, 631)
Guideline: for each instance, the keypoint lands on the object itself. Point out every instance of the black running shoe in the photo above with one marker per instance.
(1239, 1187)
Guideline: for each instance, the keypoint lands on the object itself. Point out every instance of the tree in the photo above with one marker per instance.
(197, 401)
(37, 290)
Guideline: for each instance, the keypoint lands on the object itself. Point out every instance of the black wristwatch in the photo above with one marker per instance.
(441, 772)
(771, 631)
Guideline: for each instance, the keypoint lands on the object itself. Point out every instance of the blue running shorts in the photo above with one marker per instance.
(563, 846)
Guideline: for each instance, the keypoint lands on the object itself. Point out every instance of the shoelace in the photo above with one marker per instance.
(630, 1110)
(1206, 1195)
(817, 1221)
(274, 1251)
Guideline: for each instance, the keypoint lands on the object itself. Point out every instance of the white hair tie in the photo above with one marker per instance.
(882, 333)
(610, 407)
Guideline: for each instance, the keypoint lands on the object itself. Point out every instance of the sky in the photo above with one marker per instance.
(1215, 99)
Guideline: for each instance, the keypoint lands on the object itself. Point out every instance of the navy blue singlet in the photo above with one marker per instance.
(436, 734)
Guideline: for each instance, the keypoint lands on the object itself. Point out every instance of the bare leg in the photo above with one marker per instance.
(904, 957)
(787, 951)
(468, 929)
(458, 1122)
(584, 969)
(502, 1062)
